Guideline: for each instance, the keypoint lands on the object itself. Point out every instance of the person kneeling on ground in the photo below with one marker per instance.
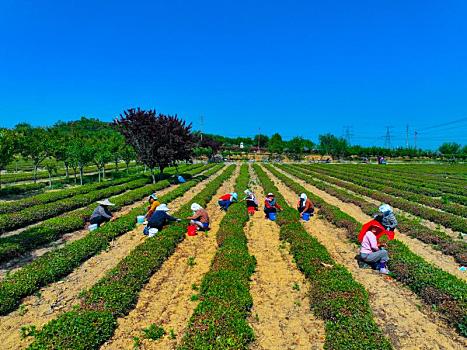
(386, 217)
(251, 201)
(270, 205)
(158, 219)
(227, 199)
(153, 204)
(371, 253)
(200, 217)
(102, 213)
(305, 205)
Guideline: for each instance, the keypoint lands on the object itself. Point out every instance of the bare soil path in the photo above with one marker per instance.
(61, 296)
(427, 252)
(401, 315)
(434, 226)
(166, 299)
(281, 316)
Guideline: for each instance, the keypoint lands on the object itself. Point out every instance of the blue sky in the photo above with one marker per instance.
(296, 67)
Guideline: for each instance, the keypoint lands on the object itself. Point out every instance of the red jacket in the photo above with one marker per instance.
(226, 197)
(268, 205)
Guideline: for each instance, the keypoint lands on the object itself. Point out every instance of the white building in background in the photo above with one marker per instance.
(241, 145)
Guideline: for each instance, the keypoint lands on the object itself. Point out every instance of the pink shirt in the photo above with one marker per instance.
(369, 243)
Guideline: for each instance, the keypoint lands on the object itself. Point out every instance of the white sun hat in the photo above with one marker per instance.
(105, 202)
(163, 207)
(196, 207)
(385, 208)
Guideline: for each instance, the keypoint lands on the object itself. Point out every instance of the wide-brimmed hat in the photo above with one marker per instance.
(105, 202)
(270, 194)
(163, 207)
(234, 195)
(152, 196)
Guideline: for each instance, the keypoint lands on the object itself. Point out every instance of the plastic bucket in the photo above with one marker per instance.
(191, 230)
(140, 219)
(251, 210)
(93, 227)
(272, 216)
(306, 216)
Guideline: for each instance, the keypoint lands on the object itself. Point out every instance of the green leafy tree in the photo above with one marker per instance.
(50, 164)
(128, 154)
(450, 148)
(262, 140)
(276, 144)
(34, 143)
(296, 147)
(330, 144)
(7, 149)
(80, 153)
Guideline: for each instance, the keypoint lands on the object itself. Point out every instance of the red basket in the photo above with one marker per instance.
(191, 230)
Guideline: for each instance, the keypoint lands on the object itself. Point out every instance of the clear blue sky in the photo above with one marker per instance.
(296, 67)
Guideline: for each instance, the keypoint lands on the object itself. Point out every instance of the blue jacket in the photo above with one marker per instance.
(160, 218)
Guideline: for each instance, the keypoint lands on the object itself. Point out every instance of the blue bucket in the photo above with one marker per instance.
(140, 219)
(272, 216)
(306, 216)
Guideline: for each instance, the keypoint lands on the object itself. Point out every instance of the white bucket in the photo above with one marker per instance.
(140, 219)
(93, 227)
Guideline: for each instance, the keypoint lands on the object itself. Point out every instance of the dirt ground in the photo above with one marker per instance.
(401, 315)
(281, 316)
(437, 258)
(166, 299)
(61, 296)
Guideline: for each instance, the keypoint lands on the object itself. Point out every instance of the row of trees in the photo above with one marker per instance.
(331, 145)
(72, 145)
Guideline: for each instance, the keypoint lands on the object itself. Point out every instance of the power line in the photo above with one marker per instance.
(444, 124)
(387, 137)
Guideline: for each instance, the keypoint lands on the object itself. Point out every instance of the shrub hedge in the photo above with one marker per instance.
(219, 320)
(95, 318)
(60, 262)
(334, 296)
(445, 292)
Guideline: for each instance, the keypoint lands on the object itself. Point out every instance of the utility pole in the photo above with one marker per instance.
(407, 136)
(415, 139)
(201, 125)
(259, 136)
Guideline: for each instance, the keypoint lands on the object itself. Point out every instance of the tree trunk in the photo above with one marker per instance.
(35, 173)
(74, 171)
(144, 168)
(116, 164)
(81, 175)
(99, 173)
(50, 179)
(127, 167)
(161, 172)
(67, 174)
(153, 176)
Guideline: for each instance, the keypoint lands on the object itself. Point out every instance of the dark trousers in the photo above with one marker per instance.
(99, 220)
(309, 211)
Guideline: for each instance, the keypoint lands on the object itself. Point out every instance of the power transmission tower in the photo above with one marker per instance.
(348, 133)
(387, 138)
(407, 136)
(415, 139)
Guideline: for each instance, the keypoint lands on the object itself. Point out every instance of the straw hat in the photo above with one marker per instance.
(105, 202)
(162, 207)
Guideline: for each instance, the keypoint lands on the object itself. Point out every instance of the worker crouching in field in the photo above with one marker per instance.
(200, 217)
(251, 202)
(158, 219)
(304, 205)
(386, 217)
(270, 205)
(371, 253)
(227, 199)
(153, 204)
(102, 213)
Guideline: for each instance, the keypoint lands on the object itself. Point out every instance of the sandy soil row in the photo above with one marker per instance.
(427, 223)
(166, 299)
(61, 296)
(281, 316)
(426, 251)
(402, 316)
